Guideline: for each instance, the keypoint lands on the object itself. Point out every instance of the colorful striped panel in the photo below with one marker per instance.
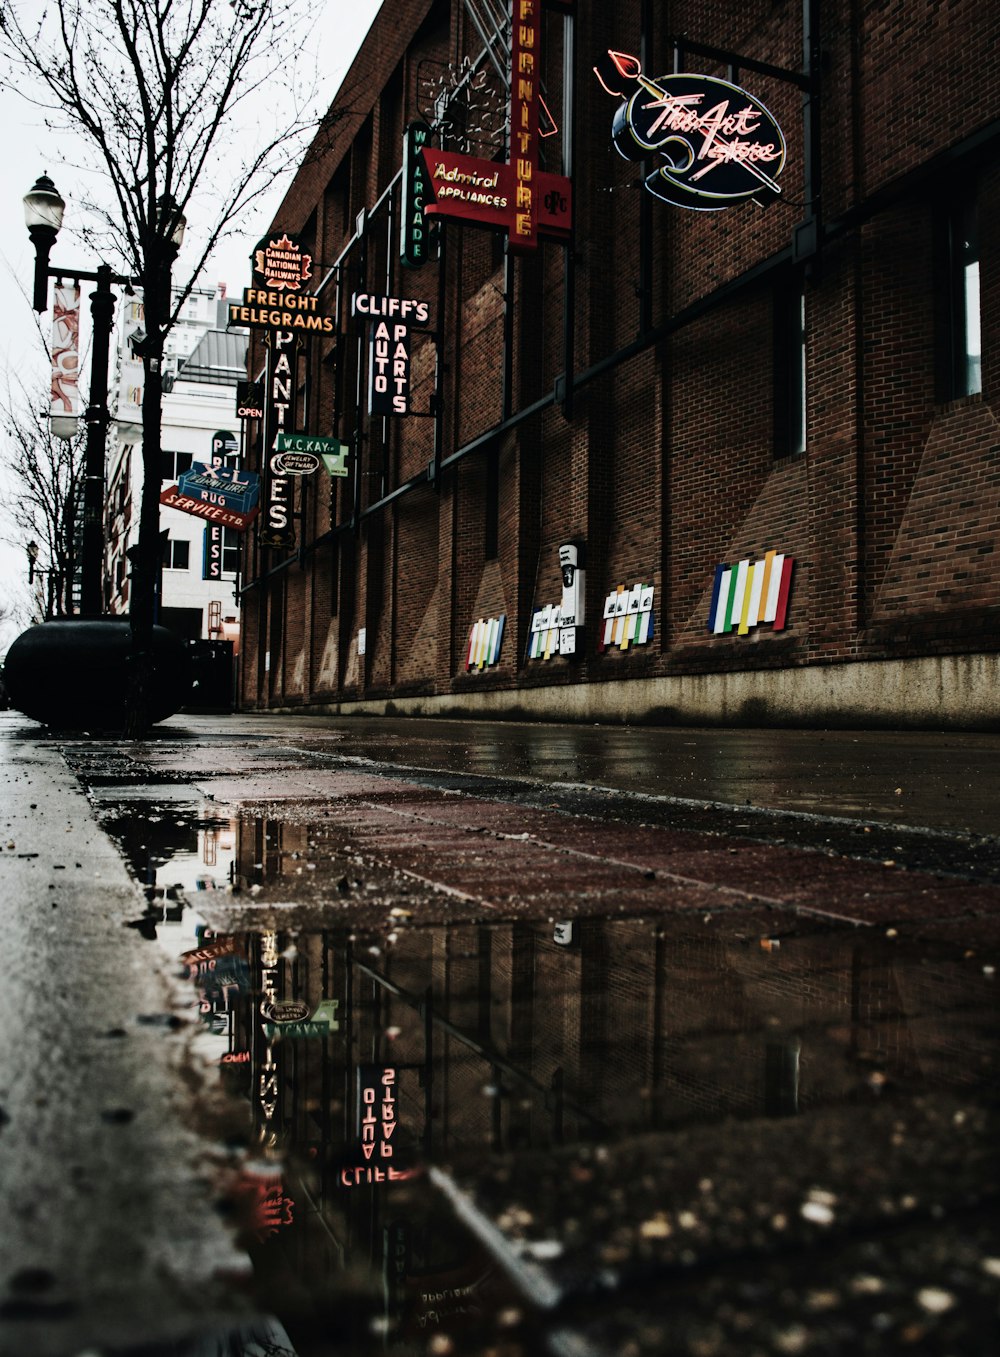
(628, 618)
(485, 639)
(749, 593)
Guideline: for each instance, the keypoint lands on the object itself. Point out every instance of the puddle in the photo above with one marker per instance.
(394, 1074)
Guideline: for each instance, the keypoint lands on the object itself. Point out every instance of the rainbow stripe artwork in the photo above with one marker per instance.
(485, 637)
(750, 592)
(548, 636)
(628, 618)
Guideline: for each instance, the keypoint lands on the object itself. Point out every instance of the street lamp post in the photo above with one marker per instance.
(43, 214)
(94, 671)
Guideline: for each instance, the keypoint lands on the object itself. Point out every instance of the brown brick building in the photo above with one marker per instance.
(803, 380)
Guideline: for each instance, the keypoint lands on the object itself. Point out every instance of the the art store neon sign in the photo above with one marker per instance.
(717, 144)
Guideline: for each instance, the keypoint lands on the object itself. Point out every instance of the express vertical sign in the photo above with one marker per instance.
(225, 451)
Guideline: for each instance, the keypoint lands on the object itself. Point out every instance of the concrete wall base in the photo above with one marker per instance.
(958, 692)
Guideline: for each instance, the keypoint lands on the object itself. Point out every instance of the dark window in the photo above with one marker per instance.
(789, 368)
(959, 315)
(178, 555)
(230, 551)
(173, 463)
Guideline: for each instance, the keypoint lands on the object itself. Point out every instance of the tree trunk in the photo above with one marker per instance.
(146, 562)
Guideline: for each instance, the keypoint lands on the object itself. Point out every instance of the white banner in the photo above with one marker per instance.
(65, 402)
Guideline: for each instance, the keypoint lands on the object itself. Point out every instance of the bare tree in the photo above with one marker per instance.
(44, 509)
(14, 616)
(159, 94)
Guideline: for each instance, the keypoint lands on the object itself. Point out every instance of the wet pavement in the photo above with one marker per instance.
(544, 1040)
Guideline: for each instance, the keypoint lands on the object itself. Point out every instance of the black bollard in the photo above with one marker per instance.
(73, 674)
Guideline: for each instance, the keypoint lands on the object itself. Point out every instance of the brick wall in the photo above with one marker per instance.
(667, 462)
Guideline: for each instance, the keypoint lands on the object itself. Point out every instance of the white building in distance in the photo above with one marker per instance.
(202, 364)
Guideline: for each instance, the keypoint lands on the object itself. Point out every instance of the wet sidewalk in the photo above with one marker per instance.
(544, 1040)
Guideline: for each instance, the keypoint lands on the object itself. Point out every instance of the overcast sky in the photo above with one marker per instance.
(29, 150)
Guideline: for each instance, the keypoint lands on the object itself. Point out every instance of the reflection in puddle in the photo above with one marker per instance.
(368, 1056)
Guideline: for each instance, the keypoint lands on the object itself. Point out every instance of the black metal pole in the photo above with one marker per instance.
(43, 238)
(102, 305)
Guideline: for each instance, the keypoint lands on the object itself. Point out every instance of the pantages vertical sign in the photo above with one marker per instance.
(276, 528)
(519, 197)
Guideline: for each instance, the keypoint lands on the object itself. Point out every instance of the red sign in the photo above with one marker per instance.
(519, 197)
(376, 1109)
(484, 192)
(215, 513)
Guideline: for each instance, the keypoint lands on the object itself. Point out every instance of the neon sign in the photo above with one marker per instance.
(280, 268)
(719, 144)
(376, 1109)
(389, 348)
(525, 36)
(174, 498)
(249, 400)
(412, 228)
(389, 369)
(277, 529)
(518, 197)
(280, 263)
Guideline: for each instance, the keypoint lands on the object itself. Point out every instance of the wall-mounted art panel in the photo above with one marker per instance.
(485, 639)
(628, 618)
(556, 628)
(750, 593)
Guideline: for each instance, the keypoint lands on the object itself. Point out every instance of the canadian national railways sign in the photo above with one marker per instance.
(276, 300)
(280, 265)
(717, 144)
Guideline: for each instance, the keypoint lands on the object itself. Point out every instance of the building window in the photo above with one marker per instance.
(178, 554)
(230, 551)
(959, 316)
(173, 463)
(789, 368)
